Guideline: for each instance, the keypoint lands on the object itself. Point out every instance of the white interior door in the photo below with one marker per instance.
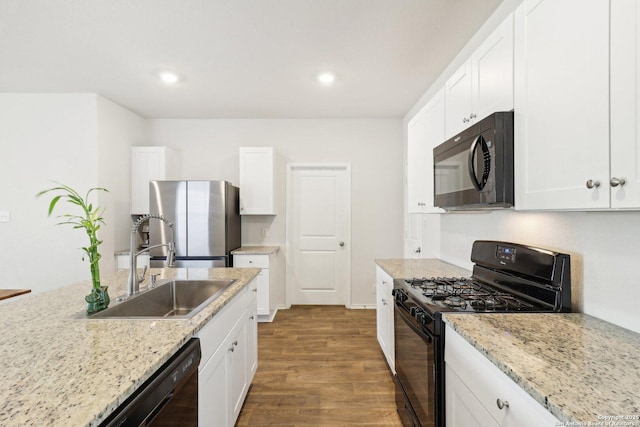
(318, 215)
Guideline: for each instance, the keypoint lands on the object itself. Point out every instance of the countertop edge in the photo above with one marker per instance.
(255, 250)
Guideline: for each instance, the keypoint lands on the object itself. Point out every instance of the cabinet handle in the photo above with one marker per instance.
(465, 120)
(231, 349)
(255, 289)
(418, 250)
(251, 317)
(384, 301)
(472, 116)
(502, 404)
(235, 343)
(591, 184)
(614, 182)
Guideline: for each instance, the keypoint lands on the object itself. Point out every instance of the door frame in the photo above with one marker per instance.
(291, 167)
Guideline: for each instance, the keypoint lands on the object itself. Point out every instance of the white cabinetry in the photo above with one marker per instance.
(424, 131)
(384, 316)
(562, 104)
(484, 83)
(257, 181)
(625, 105)
(229, 360)
(266, 282)
(149, 164)
(475, 389)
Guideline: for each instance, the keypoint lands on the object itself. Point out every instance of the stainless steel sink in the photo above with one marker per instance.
(176, 299)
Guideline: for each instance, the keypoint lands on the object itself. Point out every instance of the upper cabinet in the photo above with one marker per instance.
(149, 164)
(624, 178)
(257, 181)
(562, 104)
(425, 131)
(484, 83)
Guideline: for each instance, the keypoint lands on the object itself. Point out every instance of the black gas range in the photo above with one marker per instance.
(507, 277)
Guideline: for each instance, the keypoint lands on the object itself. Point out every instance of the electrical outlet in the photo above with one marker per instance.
(5, 216)
(265, 233)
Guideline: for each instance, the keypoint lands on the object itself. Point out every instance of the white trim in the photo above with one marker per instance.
(363, 307)
(297, 166)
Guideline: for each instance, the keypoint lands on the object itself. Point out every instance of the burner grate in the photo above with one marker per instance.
(462, 293)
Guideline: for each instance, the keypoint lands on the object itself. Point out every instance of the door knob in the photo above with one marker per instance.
(614, 182)
(591, 184)
(341, 243)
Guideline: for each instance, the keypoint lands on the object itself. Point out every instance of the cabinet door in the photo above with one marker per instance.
(252, 342)
(263, 292)
(625, 103)
(417, 172)
(425, 131)
(257, 181)
(561, 99)
(390, 338)
(434, 112)
(213, 398)
(238, 383)
(458, 100)
(492, 73)
(462, 407)
(381, 317)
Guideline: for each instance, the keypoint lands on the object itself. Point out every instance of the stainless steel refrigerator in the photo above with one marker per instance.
(206, 218)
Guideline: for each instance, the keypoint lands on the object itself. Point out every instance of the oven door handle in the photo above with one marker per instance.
(424, 334)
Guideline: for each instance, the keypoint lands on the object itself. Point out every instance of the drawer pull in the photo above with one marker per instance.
(502, 404)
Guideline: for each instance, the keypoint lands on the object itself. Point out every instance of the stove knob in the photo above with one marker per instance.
(415, 311)
(399, 294)
(423, 319)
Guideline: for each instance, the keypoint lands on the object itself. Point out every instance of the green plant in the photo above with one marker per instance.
(89, 220)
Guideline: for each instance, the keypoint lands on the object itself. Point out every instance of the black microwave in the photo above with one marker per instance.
(474, 169)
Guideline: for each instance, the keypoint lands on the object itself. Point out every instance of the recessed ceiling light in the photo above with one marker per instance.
(326, 78)
(168, 77)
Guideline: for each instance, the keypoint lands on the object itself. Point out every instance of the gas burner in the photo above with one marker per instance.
(454, 301)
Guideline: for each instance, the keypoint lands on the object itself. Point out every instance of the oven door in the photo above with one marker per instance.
(416, 356)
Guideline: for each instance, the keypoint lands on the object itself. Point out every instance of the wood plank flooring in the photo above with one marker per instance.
(320, 366)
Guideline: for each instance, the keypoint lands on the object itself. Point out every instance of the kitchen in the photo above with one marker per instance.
(601, 244)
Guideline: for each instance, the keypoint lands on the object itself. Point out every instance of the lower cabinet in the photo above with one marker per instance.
(229, 360)
(477, 393)
(267, 306)
(384, 316)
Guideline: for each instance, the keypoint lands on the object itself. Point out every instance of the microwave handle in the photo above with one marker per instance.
(472, 168)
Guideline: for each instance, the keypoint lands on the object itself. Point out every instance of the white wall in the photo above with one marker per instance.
(43, 138)
(118, 130)
(81, 140)
(209, 150)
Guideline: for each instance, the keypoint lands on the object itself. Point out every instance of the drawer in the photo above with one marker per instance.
(257, 261)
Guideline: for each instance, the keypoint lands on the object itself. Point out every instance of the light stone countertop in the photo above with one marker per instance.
(59, 368)
(577, 366)
(427, 267)
(256, 250)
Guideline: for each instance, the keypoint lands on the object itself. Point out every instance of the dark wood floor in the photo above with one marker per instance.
(320, 366)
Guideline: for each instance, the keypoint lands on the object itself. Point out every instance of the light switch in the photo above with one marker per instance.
(5, 216)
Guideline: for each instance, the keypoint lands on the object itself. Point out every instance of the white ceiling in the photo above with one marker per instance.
(237, 58)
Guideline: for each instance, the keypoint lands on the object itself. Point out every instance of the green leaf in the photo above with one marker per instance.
(53, 204)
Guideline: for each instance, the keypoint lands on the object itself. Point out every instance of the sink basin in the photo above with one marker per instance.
(176, 299)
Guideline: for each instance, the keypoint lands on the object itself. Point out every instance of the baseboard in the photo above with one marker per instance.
(362, 307)
(267, 317)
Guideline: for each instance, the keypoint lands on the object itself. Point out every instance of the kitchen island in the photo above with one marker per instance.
(582, 369)
(60, 368)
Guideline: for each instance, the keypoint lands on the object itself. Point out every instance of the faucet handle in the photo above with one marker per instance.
(144, 271)
(171, 255)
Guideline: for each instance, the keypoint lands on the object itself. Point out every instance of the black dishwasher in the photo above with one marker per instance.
(168, 398)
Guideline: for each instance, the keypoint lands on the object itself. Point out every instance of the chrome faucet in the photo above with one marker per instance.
(134, 281)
